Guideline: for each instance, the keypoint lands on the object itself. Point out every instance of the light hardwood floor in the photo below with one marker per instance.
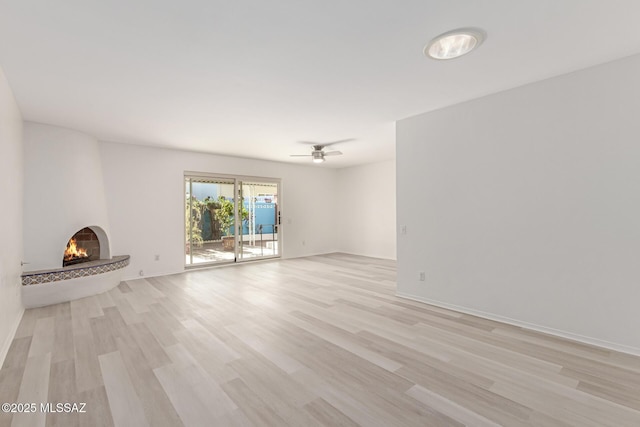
(303, 342)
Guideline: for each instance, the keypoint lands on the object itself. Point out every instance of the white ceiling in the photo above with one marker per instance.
(250, 78)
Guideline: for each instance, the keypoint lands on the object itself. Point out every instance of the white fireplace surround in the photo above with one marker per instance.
(64, 193)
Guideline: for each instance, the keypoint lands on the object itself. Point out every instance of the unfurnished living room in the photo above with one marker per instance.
(289, 213)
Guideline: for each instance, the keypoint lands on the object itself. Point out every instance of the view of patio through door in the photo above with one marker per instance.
(230, 219)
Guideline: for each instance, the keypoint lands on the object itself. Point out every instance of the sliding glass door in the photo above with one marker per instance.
(209, 220)
(230, 219)
(259, 237)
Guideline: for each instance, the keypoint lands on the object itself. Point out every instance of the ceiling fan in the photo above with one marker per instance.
(317, 150)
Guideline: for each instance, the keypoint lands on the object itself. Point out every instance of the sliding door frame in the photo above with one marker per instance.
(238, 225)
(278, 227)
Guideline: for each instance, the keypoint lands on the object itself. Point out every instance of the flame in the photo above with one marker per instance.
(73, 251)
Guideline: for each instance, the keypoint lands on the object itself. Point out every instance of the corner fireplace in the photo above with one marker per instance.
(83, 246)
(88, 269)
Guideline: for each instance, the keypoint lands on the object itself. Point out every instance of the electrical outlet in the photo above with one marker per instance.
(422, 276)
(403, 229)
(304, 243)
(141, 273)
(157, 257)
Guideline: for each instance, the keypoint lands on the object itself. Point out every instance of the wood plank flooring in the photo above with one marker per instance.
(317, 341)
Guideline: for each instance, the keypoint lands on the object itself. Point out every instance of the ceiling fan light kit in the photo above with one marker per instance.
(318, 157)
(317, 150)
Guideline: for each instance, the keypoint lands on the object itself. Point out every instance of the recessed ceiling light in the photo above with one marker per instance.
(453, 44)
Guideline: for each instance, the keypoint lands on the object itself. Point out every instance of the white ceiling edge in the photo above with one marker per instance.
(251, 79)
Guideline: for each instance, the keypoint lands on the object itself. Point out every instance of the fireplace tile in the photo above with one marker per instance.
(91, 268)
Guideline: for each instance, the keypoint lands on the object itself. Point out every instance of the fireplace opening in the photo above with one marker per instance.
(83, 246)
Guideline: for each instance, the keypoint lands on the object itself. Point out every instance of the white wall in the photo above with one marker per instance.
(524, 205)
(63, 191)
(11, 181)
(367, 216)
(145, 192)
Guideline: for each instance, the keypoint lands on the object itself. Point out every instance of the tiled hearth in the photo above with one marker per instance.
(46, 287)
(90, 268)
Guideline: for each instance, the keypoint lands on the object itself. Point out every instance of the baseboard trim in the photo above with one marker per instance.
(531, 326)
(7, 343)
(227, 264)
(368, 255)
(309, 255)
(147, 276)
(204, 267)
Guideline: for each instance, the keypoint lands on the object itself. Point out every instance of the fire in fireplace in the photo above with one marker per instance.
(82, 247)
(73, 254)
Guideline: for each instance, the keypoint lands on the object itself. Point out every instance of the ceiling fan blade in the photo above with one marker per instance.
(339, 141)
(300, 155)
(333, 153)
(326, 144)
